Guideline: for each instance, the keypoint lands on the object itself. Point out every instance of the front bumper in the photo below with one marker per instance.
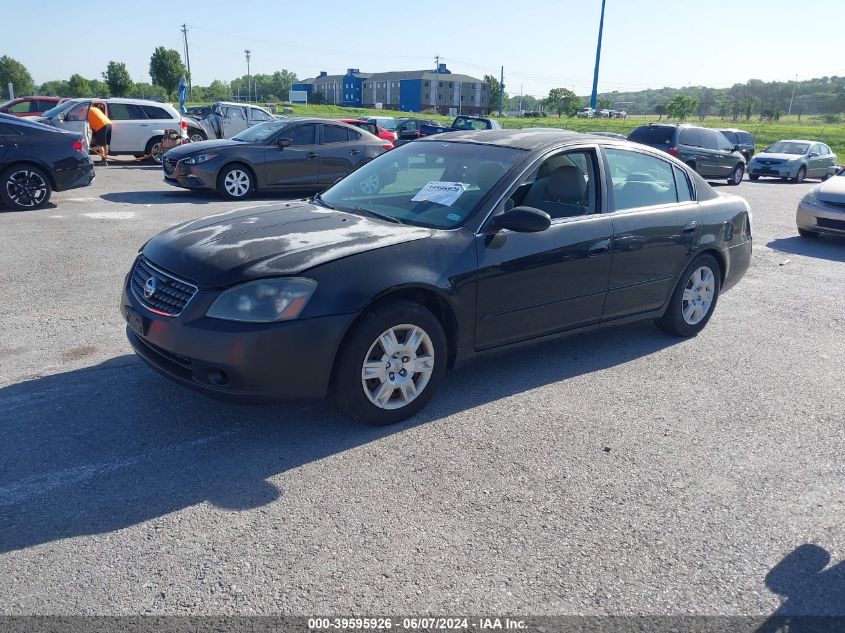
(781, 170)
(241, 362)
(820, 219)
(199, 176)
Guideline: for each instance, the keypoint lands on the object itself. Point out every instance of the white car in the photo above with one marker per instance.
(138, 125)
(586, 113)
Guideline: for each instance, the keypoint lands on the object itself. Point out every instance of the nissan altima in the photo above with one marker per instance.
(432, 255)
(298, 154)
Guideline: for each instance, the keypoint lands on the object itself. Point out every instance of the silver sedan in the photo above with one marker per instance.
(792, 159)
(822, 210)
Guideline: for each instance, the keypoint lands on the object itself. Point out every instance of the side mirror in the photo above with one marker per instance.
(62, 116)
(736, 148)
(523, 220)
(283, 142)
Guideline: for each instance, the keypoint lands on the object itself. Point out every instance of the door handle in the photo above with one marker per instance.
(690, 227)
(313, 154)
(355, 151)
(599, 247)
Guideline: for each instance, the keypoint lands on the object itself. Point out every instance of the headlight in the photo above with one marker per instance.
(810, 198)
(199, 158)
(264, 301)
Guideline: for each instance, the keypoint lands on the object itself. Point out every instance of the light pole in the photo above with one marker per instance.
(793, 95)
(598, 58)
(248, 79)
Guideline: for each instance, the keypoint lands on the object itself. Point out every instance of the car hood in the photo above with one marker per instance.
(774, 156)
(832, 190)
(273, 240)
(189, 149)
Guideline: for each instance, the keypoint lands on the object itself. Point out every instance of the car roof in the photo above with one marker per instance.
(732, 129)
(796, 140)
(525, 138)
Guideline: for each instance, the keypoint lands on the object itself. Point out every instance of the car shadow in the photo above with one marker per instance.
(813, 594)
(190, 197)
(99, 449)
(830, 247)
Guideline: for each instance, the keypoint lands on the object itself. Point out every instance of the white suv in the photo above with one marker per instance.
(137, 125)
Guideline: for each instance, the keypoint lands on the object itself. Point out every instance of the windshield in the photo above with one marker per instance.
(387, 124)
(59, 108)
(431, 184)
(788, 147)
(261, 132)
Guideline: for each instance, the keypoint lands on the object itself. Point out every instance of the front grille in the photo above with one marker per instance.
(827, 223)
(169, 165)
(835, 205)
(169, 295)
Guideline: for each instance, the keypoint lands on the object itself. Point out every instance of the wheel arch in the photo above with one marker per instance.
(239, 161)
(32, 163)
(719, 256)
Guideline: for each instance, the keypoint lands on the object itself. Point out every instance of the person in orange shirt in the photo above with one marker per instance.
(101, 126)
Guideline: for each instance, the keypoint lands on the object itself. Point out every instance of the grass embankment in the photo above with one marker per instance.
(765, 132)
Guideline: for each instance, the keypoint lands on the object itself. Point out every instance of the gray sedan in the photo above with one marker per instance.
(822, 210)
(792, 159)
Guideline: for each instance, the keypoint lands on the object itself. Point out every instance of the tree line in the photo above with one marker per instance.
(166, 70)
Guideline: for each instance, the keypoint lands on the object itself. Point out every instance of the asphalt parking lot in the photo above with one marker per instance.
(623, 472)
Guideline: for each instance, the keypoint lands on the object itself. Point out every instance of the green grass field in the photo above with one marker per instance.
(765, 132)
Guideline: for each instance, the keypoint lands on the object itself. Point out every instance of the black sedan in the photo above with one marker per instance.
(288, 154)
(485, 242)
(37, 159)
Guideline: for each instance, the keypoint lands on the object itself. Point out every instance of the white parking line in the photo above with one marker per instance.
(110, 215)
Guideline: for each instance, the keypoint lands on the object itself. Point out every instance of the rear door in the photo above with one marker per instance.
(339, 152)
(130, 127)
(712, 157)
(297, 165)
(655, 228)
(817, 165)
(727, 159)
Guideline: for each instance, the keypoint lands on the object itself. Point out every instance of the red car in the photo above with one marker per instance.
(30, 106)
(372, 128)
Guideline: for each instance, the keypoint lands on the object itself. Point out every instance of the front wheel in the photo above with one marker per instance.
(390, 364)
(802, 173)
(736, 175)
(235, 182)
(25, 187)
(694, 298)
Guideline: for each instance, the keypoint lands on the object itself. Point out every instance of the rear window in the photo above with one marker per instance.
(653, 135)
(689, 136)
(126, 112)
(153, 112)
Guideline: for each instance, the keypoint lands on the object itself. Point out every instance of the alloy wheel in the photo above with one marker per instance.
(196, 137)
(236, 183)
(398, 366)
(156, 152)
(698, 295)
(26, 189)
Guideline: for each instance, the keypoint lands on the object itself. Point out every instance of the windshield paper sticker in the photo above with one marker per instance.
(444, 193)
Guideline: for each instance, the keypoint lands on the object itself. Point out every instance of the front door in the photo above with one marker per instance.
(655, 227)
(76, 120)
(297, 165)
(130, 127)
(532, 284)
(234, 120)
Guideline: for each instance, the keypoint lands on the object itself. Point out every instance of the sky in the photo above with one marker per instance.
(542, 44)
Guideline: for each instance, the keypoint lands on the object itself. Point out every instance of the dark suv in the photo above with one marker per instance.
(744, 139)
(707, 151)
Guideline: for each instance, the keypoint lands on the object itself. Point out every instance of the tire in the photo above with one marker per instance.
(736, 175)
(806, 233)
(802, 173)
(196, 136)
(753, 177)
(683, 316)
(24, 187)
(153, 149)
(362, 351)
(235, 182)
(825, 176)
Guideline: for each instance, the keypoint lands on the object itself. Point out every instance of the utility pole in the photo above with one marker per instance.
(436, 80)
(248, 78)
(501, 90)
(520, 99)
(188, 61)
(598, 59)
(793, 95)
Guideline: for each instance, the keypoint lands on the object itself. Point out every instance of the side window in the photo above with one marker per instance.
(689, 136)
(235, 113)
(78, 112)
(153, 112)
(563, 185)
(354, 136)
(125, 112)
(259, 115)
(22, 107)
(708, 139)
(682, 183)
(335, 134)
(745, 137)
(44, 105)
(826, 149)
(640, 180)
(817, 148)
(301, 135)
(724, 143)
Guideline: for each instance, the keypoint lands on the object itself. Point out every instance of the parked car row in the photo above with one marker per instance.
(603, 113)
